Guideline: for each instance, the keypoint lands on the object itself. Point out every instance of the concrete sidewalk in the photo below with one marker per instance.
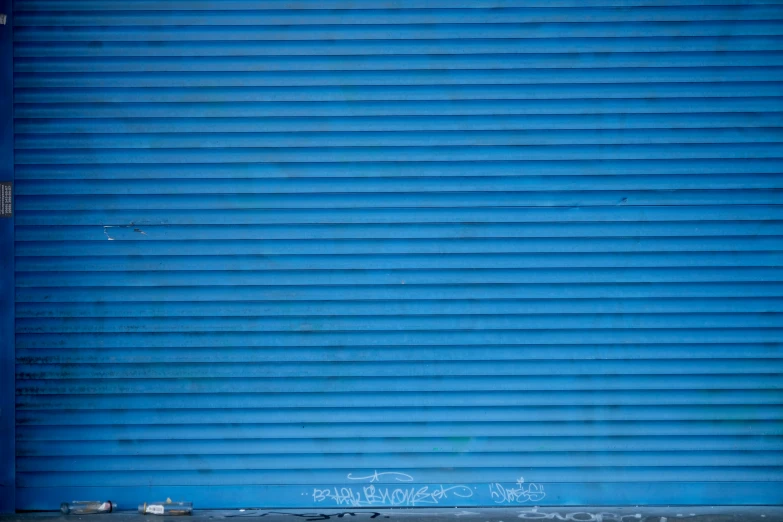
(505, 514)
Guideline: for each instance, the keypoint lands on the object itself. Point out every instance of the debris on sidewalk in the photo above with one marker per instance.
(86, 507)
(167, 508)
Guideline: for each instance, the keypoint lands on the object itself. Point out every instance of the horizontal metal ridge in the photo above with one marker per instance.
(404, 261)
(386, 337)
(454, 201)
(424, 131)
(397, 16)
(420, 414)
(486, 368)
(399, 277)
(380, 139)
(409, 323)
(401, 70)
(41, 448)
(473, 215)
(301, 495)
(321, 477)
(196, 259)
(394, 186)
(424, 307)
(396, 231)
(223, 33)
(231, 5)
(500, 70)
(403, 168)
(25, 51)
(424, 353)
(251, 124)
(340, 154)
(533, 459)
(769, 86)
(134, 244)
(141, 402)
(554, 290)
(421, 384)
(237, 111)
(308, 431)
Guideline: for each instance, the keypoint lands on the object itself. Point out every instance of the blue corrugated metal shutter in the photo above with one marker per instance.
(399, 252)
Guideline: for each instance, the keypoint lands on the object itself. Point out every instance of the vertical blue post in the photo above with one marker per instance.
(7, 357)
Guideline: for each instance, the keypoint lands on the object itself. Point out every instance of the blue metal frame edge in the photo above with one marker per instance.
(7, 290)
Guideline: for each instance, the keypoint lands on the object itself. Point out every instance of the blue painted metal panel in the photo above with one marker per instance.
(402, 252)
(7, 300)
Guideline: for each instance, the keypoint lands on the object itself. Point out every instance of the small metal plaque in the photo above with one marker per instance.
(6, 199)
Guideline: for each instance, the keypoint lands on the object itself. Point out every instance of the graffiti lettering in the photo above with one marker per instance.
(518, 494)
(578, 516)
(376, 477)
(389, 496)
(310, 517)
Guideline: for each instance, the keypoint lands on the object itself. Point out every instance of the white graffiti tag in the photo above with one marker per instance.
(389, 496)
(517, 494)
(579, 516)
(374, 494)
(376, 477)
